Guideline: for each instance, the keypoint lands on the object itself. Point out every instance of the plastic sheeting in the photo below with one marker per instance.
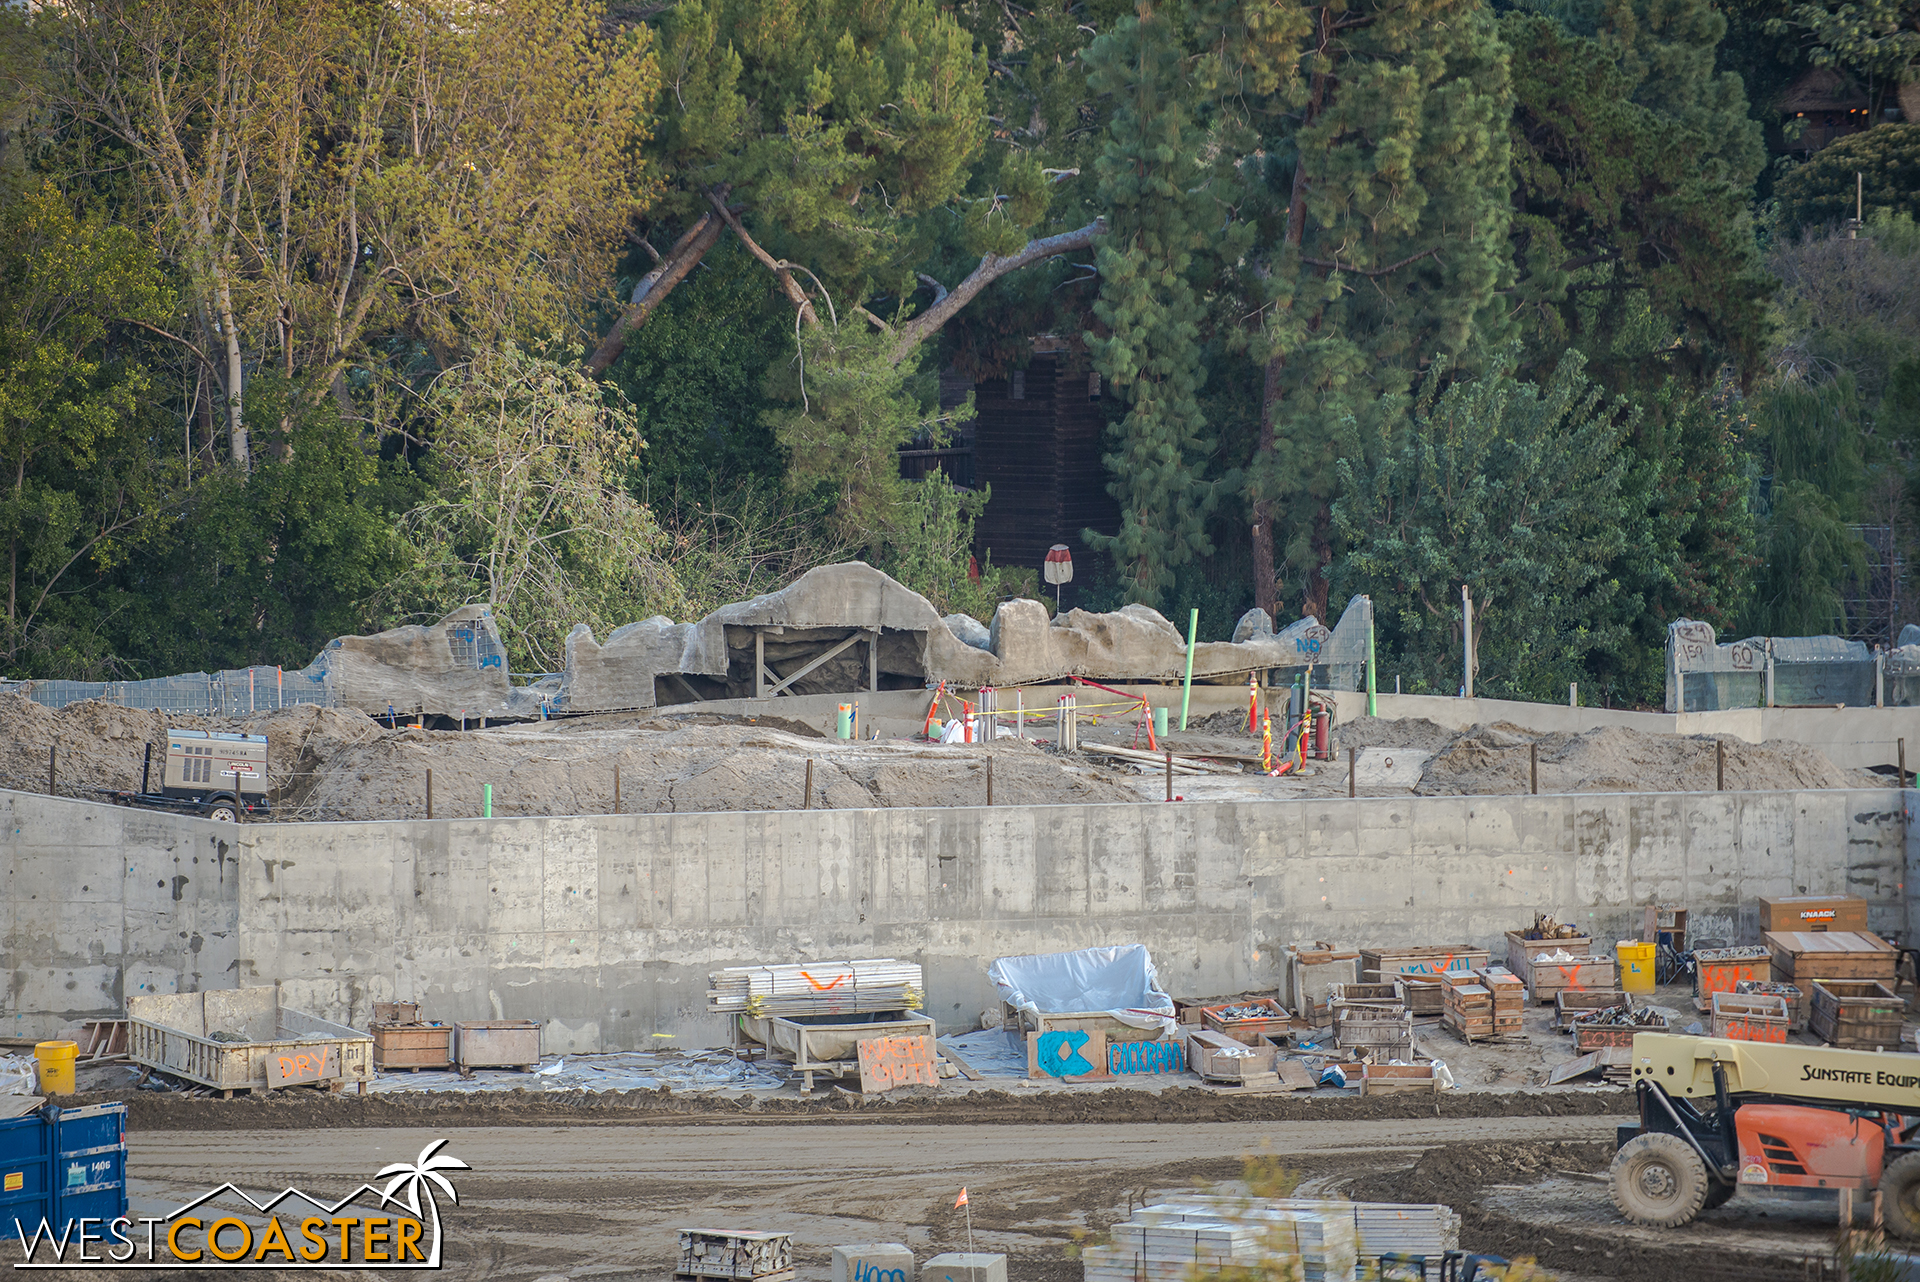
(1704, 675)
(1118, 979)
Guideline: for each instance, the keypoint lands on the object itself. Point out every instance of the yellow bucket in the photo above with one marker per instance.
(56, 1066)
(1636, 965)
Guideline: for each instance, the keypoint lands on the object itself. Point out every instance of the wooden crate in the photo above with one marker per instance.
(396, 1012)
(1570, 1004)
(1249, 1031)
(1220, 1058)
(1719, 970)
(1799, 1000)
(1591, 1037)
(1838, 954)
(1398, 1079)
(1546, 980)
(412, 1046)
(1388, 1034)
(1509, 991)
(1422, 995)
(1521, 952)
(496, 1043)
(1381, 965)
(1813, 913)
(1860, 1014)
(1751, 1017)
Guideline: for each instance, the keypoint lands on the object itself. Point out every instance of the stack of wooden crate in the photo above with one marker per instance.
(1468, 1006)
(1800, 957)
(1509, 1000)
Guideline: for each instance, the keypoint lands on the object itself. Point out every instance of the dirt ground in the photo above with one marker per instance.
(339, 764)
(550, 1199)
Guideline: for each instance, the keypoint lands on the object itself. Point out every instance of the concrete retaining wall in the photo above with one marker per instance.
(607, 925)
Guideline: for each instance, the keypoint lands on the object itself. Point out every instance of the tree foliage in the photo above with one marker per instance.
(1821, 193)
(1514, 489)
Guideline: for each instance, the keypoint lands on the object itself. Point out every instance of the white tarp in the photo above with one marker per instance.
(1118, 979)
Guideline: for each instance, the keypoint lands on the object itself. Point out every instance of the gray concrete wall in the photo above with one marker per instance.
(606, 926)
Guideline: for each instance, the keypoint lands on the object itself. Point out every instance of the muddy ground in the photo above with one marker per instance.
(576, 1186)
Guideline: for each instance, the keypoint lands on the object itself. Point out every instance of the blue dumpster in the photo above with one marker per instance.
(63, 1164)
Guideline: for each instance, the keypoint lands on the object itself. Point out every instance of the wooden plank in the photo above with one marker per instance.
(1293, 1075)
(1068, 1055)
(888, 1062)
(959, 1061)
(320, 1064)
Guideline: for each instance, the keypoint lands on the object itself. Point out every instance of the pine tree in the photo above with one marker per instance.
(1149, 178)
(1386, 169)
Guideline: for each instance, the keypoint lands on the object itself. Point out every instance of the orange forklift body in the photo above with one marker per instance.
(1784, 1146)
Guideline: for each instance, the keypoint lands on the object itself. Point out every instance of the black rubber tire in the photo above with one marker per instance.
(1659, 1181)
(224, 811)
(1718, 1194)
(1900, 1196)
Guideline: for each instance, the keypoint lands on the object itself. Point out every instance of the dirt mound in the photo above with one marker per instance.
(1390, 732)
(1493, 759)
(101, 744)
(666, 767)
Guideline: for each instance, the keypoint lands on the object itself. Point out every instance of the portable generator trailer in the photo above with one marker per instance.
(218, 774)
(1717, 1115)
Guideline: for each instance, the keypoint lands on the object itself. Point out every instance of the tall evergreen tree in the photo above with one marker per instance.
(1386, 175)
(1150, 180)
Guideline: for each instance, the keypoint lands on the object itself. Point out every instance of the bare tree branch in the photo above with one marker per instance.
(1377, 271)
(654, 288)
(780, 268)
(992, 267)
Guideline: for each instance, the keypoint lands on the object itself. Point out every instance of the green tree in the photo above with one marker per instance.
(1635, 160)
(1821, 193)
(932, 552)
(1514, 489)
(79, 488)
(1382, 179)
(530, 509)
(1150, 179)
(347, 186)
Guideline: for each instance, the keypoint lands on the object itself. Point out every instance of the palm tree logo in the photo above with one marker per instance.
(419, 1176)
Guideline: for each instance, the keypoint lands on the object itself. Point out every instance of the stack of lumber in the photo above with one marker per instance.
(1613, 1066)
(817, 988)
(1468, 1007)
(1323, 1240)
(1509, 1000)
(734, 1253)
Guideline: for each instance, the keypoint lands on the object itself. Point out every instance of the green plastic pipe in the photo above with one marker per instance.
(1193, 631)
(486, 801)
(1373, 706)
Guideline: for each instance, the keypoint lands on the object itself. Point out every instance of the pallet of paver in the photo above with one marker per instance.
(1381, 965)
(1859, 1014)
(1750, 1017)
(1835, 954)
(1548, 975)
(1323, 1240)
(735, 1254)
(866, 986)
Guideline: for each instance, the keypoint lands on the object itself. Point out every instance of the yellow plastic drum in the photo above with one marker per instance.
(56, 1066)
(1636, 966)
